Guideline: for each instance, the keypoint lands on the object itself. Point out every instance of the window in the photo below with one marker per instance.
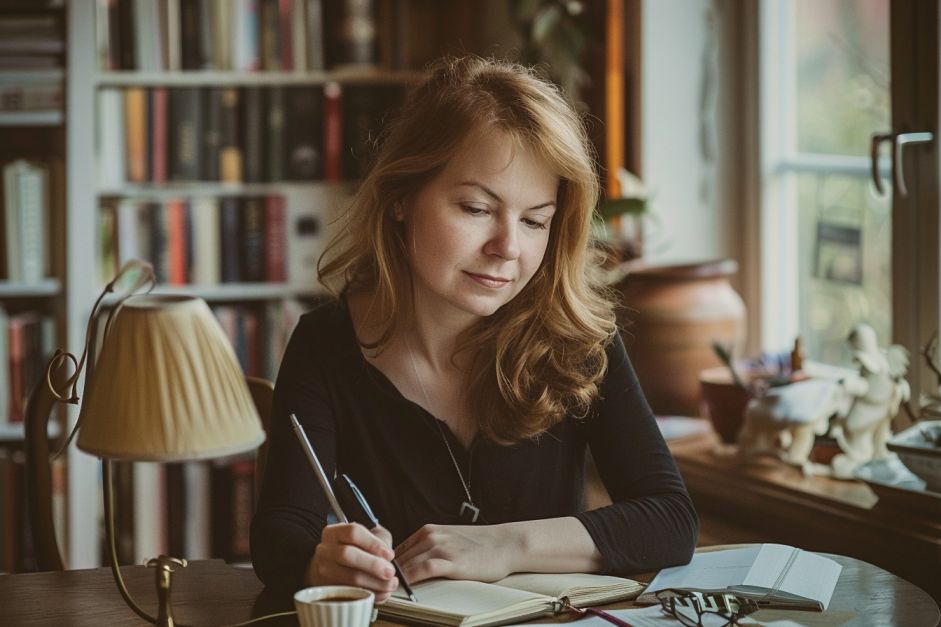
(834, 252)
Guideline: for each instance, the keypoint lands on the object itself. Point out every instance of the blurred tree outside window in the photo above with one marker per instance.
(826, 243)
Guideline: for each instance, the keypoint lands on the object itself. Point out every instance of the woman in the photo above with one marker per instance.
(469, 359)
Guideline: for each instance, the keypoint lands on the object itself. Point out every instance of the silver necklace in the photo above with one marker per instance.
(469, 512)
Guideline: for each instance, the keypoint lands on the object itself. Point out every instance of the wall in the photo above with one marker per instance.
(683, 153)
(699, 136)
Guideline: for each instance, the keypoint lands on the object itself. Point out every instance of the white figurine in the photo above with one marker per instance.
(785, 421)
(878, 392)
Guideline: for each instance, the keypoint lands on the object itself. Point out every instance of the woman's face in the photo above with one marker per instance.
(477, 232)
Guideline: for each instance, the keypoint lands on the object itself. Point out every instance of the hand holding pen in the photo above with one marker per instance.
(348, 505)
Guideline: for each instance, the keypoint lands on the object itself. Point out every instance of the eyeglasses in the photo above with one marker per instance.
(690, 607)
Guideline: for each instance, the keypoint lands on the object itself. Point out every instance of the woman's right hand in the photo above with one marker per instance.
(349, 554)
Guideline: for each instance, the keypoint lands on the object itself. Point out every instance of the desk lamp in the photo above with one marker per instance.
(166, 387)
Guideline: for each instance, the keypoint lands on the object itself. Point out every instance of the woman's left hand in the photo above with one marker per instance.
(480, 553)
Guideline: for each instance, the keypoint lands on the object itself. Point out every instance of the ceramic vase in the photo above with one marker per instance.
(670, 317)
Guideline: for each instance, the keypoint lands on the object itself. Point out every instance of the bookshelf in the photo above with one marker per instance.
(32, 214)
(101, 194)
(408, 34)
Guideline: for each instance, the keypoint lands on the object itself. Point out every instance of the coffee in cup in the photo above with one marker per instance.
(334, 606)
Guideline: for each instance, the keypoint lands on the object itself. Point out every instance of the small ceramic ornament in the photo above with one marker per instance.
(785, 421)
(878, 391)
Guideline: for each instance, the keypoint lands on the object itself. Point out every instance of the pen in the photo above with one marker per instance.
(354, 498)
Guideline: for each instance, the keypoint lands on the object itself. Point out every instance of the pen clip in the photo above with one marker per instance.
(353, 502)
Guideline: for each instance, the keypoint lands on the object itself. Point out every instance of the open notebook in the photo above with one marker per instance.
(515, 598)
(774, 575)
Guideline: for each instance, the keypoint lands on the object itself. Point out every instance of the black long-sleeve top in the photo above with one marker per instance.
(361, 425)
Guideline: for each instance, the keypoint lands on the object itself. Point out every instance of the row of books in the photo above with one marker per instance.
(203, 240)
(27, 341)
(230, 134)
(16, 543)
(32, 93)
(259, 333)
(31, 41)
(241, 35)
(196, 510)
(25, 207)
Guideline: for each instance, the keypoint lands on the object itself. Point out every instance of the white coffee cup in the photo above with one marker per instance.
(334, 606)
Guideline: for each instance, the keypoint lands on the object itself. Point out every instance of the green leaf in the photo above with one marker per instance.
(545, 23)
(619, 206)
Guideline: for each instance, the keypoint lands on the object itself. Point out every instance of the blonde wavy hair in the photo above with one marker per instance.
(542, 355)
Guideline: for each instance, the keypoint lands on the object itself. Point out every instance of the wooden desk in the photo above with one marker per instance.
(213, 593)
(773, 502)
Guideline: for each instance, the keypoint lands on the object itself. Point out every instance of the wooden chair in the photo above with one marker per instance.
(38, 470)
(262, 391)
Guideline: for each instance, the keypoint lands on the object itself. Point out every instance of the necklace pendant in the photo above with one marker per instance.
(469, 513)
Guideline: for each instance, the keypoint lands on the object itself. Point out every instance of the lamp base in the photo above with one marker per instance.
(164, 565)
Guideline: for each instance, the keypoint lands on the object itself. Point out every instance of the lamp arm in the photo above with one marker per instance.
(112, 551)
(145, 275)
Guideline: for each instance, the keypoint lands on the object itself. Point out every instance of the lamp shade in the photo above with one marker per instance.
(167, 387)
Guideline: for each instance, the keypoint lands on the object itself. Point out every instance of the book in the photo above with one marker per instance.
(185, 142)
(26, 218)
(774, 575)
(135, 134)
(110, 137)
(512, 599)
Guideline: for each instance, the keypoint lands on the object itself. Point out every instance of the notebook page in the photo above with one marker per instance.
(813, 577)
(577, 586)
(459, 599)
(711, 570)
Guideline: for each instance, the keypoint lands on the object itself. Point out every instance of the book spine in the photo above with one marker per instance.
(253, 240)
(351, 32)
(173, 41)
(176, 244)
(303, 145)
(126, 45)
(285, 34)
(206, 251)
(253, 134)
(158, 144)
(159, 241)
(275, 133)
(111, 143)
(333, 132)
(135, 134)
(222, 33)
(268, 27)
(315, 37)
(298, 25)
(229, 227)
(212, 132)
(32, 191)
(186, 134)
(4, 374)
(275, 239)
(230, 153)
(17, 343)
(191, 57)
